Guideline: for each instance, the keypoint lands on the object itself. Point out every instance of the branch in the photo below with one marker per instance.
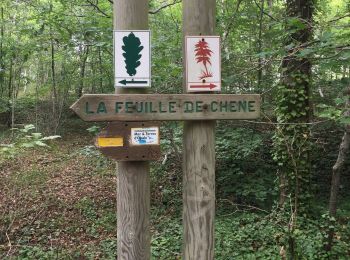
(154, 11)
(339, 18)
(244, 205)
(232, 20)
(264, 11)
(164, 6)
(98, 8)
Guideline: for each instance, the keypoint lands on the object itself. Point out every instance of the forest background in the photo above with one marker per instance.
(282, 182)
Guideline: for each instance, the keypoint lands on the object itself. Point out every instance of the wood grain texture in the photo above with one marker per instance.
(133, 189)
(133, 211)
(167, 107)
(199, 190)
(198, 154)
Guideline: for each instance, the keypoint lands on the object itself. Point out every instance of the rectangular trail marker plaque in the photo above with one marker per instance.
(203, 63)
(132, 59)
(166, 107)
(145, 136)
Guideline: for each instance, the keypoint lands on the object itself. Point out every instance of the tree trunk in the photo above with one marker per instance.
(2, 65)
(53, 78)
(10, 92)
(101, 69)
(292, 137)
(337, 169)
(293, 108)
(260, 60)
(83, 57)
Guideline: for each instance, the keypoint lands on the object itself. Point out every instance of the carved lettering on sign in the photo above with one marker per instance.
(167, 107)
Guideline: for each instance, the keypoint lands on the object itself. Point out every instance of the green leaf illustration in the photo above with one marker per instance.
(132, 48)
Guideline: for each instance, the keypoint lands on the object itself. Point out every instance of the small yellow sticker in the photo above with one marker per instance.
(110, 141)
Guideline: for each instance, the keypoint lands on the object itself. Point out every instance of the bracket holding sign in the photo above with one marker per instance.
(203, 63)
(132, 58)
(130, 141)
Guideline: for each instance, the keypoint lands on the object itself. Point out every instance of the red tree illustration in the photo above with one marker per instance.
(203, 54)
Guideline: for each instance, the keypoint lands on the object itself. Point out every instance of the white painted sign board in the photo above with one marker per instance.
(145, 136)
(203, 63)
(132, 59)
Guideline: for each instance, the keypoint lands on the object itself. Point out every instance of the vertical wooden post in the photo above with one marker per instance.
(133, 188)
(198, 154)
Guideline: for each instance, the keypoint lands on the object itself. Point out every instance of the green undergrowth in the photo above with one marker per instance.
(59, 202)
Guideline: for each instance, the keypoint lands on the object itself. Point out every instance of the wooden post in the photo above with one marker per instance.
(198, 153)
(133, 188)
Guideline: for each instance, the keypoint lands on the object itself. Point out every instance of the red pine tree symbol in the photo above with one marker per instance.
(203, 54)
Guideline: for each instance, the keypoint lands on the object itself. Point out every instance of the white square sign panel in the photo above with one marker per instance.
(145, 136)
(132, 59)
(203, 63)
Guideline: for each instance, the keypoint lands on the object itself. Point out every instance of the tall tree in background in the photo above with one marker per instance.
(338, 168)
(293, 114)
(2, 66)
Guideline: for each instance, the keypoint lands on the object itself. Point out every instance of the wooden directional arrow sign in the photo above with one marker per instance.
(166, 107)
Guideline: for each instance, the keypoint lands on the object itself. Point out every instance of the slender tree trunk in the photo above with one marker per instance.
(39, 80)
(2, 65)
(10, 90)
(337, 170)
(260, 60)
(53, 78)
(93, 72)
(17, 88)
(101, 69)
(13, 102)
(84, 56)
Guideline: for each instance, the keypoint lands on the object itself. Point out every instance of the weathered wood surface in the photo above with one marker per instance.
(165, 107)
(133, 189)
(199, 154)
(133, 211)
(198, 190)
(128, 152)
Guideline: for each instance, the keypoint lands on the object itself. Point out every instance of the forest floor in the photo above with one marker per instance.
(60, 203)
(61, 198)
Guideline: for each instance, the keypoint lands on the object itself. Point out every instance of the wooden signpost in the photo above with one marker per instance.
(133, 177)
(132, 137)
(198, 18)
